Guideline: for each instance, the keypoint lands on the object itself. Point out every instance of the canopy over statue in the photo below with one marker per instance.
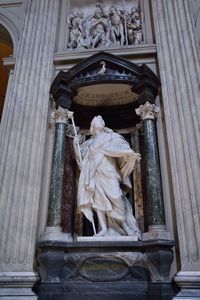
(106, 162)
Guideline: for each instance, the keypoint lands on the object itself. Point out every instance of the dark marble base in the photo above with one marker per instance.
(105, 270)
(105, 291)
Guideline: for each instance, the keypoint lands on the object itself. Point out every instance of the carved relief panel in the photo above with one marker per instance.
(104, 24)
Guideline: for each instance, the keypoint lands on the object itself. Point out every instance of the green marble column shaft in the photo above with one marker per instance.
(155, 208)
(56, 188)
(151, 168)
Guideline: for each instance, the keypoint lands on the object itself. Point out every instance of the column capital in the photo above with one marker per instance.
(60, 115)
(147, 111)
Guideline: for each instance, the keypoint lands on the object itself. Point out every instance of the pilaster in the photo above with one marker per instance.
(180, 71)
(23, 131)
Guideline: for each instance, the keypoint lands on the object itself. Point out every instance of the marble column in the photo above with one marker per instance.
(69, 189)
(153, 187)
(179, 66)
(53, 230)
(23, 131)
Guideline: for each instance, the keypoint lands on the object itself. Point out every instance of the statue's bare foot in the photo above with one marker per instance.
(101, 233)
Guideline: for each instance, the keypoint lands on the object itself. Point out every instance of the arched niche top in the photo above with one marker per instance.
(12, 25)
(108, 85)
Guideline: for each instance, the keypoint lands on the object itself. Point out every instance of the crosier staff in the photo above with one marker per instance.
(71, 116)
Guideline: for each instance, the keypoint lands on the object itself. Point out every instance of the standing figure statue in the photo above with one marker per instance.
(99, 29)
(74, 22)
(117, 31)
(134, 27)
(106, 162)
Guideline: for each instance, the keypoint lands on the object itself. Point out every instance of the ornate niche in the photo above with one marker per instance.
(70, 265)
(113, 88)
(104, 24)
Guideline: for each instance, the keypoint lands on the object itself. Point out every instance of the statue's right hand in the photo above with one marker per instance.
(137, 156)
(76, 139)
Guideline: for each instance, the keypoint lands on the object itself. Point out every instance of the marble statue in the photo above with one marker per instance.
(138, 37)
(99, 29)
(105, 161)
(103, 68)
(134, 26)
(75, 30)
(117, 18)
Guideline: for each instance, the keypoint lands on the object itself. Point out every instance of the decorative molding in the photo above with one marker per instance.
(63, 60)
(126, 51)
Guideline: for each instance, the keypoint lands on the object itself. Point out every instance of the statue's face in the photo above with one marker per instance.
(97, 125)
(133, 9)
(112, 10)
(97, 13)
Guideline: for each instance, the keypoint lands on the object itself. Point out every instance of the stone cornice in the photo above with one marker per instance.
(141, 50)
(67, 57)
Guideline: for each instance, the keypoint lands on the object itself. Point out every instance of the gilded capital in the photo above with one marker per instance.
(147, 111)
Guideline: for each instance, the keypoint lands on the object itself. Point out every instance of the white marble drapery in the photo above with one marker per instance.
(179, 67)
(23, 131)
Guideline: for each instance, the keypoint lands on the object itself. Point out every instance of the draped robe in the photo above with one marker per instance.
(107, 162)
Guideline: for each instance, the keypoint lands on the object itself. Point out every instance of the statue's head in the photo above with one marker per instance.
(133, 9)
(97, 125)
(98, 13)
(113, 9)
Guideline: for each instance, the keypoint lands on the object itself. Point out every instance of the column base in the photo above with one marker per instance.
(17, 285)
(157, 232)
(189, 282)
(56, 234)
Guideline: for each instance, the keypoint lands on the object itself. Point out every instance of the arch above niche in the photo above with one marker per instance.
(6, 49)
(12, 25)
(107, 85)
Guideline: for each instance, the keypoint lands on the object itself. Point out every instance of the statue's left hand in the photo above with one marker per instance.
(137, 156)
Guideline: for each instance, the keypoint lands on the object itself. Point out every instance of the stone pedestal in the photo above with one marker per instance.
(179, 67)
(121, 270)
(23, 133)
